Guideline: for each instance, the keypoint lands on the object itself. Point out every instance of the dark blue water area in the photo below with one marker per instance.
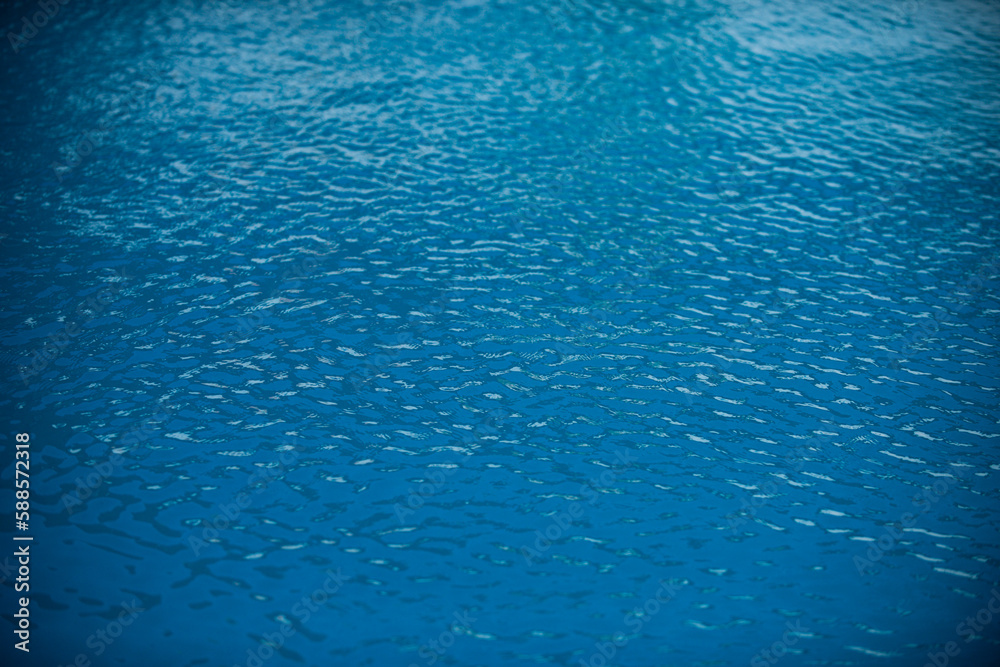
(601, 332)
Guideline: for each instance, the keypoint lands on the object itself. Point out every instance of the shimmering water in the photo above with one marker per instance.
(664, 324)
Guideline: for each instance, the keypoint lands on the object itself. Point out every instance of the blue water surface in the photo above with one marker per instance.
(458, 332)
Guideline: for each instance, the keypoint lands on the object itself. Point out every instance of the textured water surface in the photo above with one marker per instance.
(500, 333)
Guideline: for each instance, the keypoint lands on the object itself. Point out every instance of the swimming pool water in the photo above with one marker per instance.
(489, 333)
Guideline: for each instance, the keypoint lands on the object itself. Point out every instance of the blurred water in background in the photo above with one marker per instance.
(623, 332)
